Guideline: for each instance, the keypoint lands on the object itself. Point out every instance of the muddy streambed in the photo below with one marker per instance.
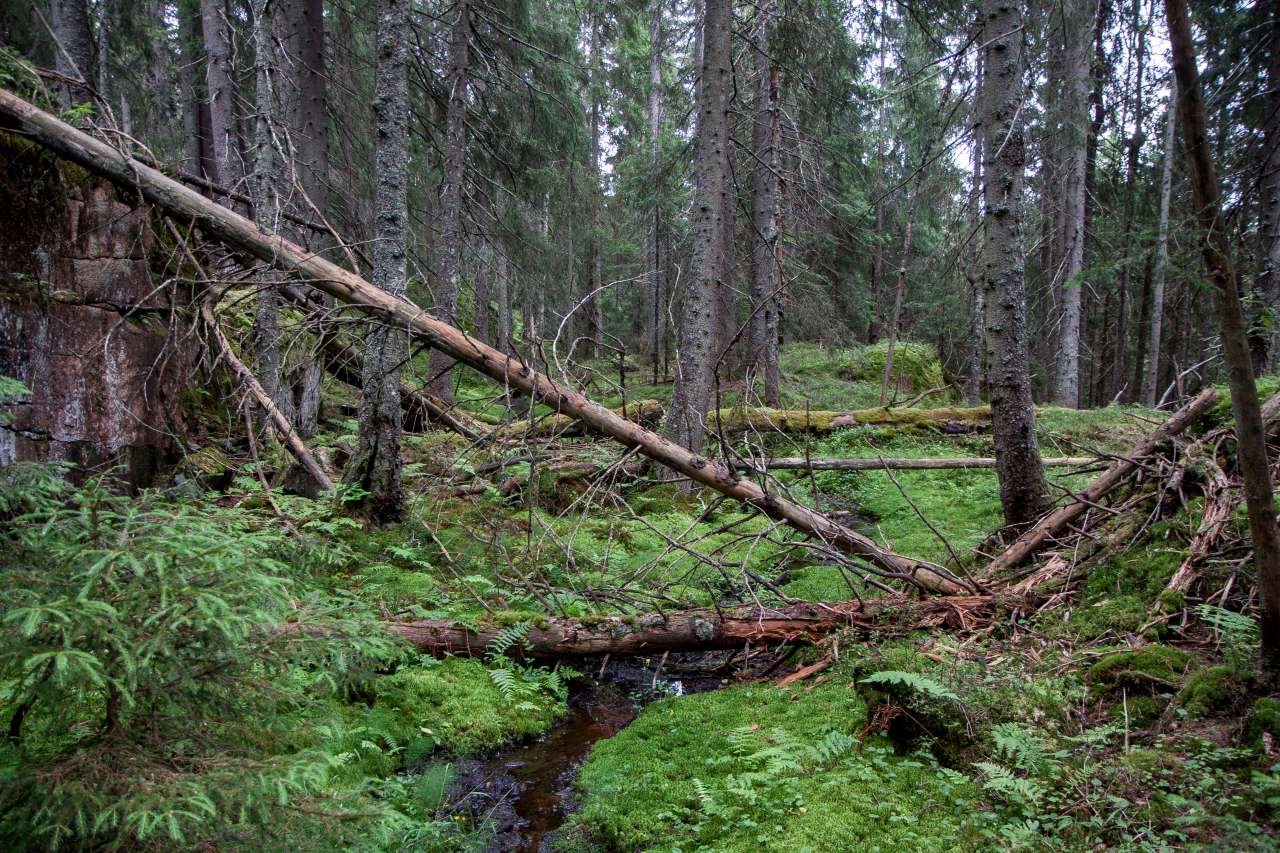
(524, 793)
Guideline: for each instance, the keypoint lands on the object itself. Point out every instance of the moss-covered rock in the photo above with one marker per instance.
(916, 366)
(1210, 692)
(1123, 614)
(1264, 719)
(1150, 667)
(1143, 710)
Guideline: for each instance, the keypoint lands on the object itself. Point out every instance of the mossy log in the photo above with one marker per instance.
(706, 630)
(645, 412)
(759, 419)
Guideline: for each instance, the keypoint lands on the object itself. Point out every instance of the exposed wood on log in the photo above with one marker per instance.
(1218, 503)
(229, 227)
(804, 672)
(703, 630)
(278, 420)
(800, 463)
(1052, 525)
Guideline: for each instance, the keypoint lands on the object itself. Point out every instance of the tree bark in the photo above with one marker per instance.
(653, 258)
(593, 302)
(454, 175)
(226, 226)
(694, 370)
(197, 134)
(1023, 491)
(376, 466)
(1076, 36)
(766, 278)
(1269, 186)
(73, 53)
(484, 309)
(224, 130)
(269, 193)
(1151, 386)
(1251, 446)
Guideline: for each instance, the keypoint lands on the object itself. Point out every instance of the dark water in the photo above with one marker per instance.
(545, 769)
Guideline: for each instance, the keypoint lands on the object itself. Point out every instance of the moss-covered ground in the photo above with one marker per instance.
(1088, 726)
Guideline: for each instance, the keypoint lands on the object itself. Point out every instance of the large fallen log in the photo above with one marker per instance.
(645, 412)
(759, 419)
(222, 224)
(1053, 524)
(704, 630)
(799, 463)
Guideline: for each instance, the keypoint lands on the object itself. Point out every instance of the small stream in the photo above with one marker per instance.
(525, 793)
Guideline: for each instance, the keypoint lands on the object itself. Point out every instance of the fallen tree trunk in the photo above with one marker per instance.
(346, 364)
(705, 630)
(278, 420)
(754, 419)
(1052, 525)
(229, 227)
(802, 464)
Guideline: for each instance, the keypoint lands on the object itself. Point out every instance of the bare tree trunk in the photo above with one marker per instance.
(195, 95)
(977, 350)
(377, 464)
(1124, 275)
(877, 257)
(1269, 184)
(653, 257)
(455, 173)
(484, 310)
(74, 50)
(224, 131)
(1251, 445)
(502, 289)
(692, 393)
(1076, 36)
(593, 302)
(899, 292)
(268, 200)
(1023, 491)
(1152, 385)
(766, 279)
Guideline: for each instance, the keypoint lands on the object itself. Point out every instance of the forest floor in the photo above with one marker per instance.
(1090, 724)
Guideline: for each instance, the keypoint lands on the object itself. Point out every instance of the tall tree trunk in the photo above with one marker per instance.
(455, 173)
(74, 50)
(502, 292)
(269, 193)
(197, 139)
(977, 350)
(226, 167)
(1134, 146)
(1023, 491)
(1251, 445)
(377, 464)
(653, 258)
(1098, 72)
(692, 393)
(592, 301)
(766, 279)
(1076, 37)
(899, 292)
(1269, 187)
(1151, 387)
(877, 188)
(484, 310)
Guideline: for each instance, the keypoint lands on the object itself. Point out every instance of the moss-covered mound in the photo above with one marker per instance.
(744, 769)
(916, 367)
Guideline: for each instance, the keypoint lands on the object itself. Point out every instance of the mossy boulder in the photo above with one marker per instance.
(1123, 614)
(1210, 692)
(916, 366)
(1142, 710)
(1264, 719)
(1149, 668)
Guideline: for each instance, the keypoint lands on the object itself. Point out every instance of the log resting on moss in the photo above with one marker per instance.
(761, 419)
(800, 463)
(234, 230)
(647, 413)
(708, 630)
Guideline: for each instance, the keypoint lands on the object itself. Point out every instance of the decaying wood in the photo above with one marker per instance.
(1052, 525)
(802, 464)
(1218, 503)
(229, 227)
(703, 630)
(278, 420)
(741, 419)
(645, 412)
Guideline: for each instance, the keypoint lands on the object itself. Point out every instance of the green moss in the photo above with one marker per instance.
(1143, 572)
(1210, 692)
(916, 366)
(1151, 666)
(1264, 719)
(1143, 710)
(1121, 615)
(455, 704)
(694, 773)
